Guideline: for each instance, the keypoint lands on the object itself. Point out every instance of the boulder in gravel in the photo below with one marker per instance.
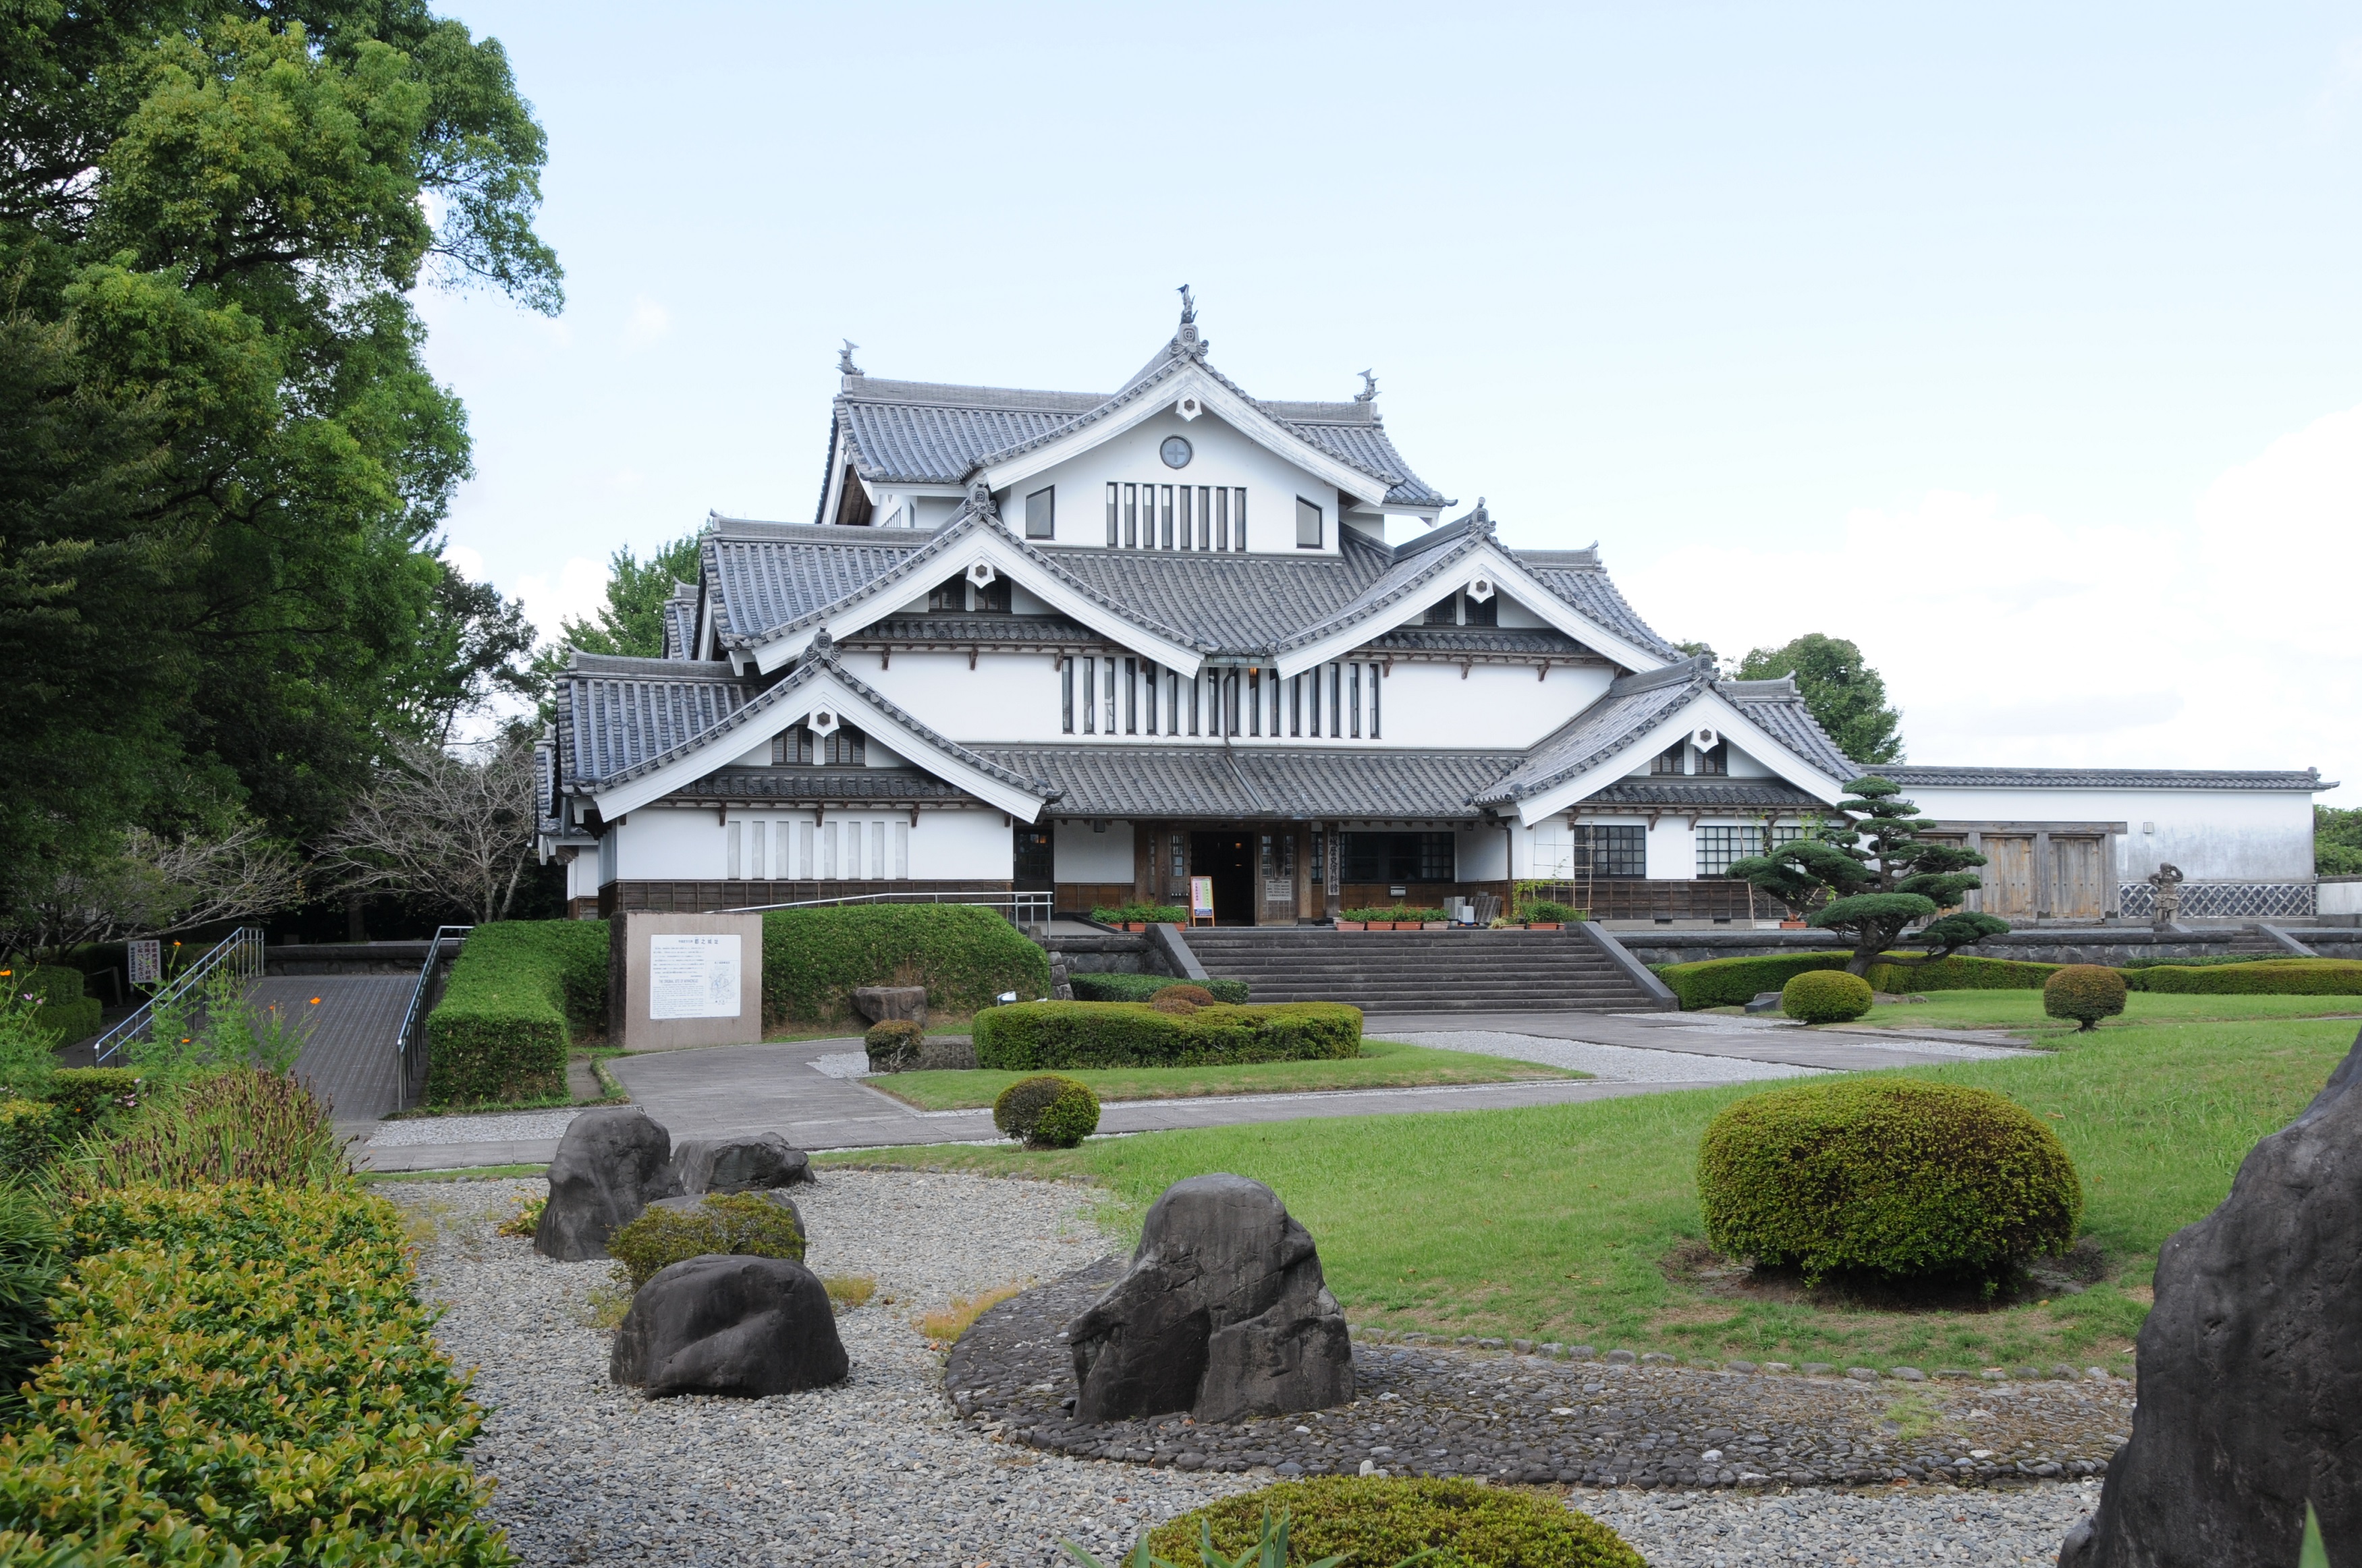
(879, 1003)
(1222, 1313)
(744, 1163)
(742, 1326)
(610, 1164)
(2250, 1386)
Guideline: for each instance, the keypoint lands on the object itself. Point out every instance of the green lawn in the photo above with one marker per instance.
(2023, 1009)
(1556, 1221)
(1383, 1064)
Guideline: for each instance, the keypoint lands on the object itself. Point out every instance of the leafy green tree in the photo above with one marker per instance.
(1880, 876)
(2338, 841)
(1841, 690)
(632, 620)
(222, 458)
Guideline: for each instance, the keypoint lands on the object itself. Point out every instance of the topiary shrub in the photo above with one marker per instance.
(1887, 1176)
(744, 1224)
(518, 990)
(1197, 996)
(1826, 996)
(964, 956)
(1032, 1036)
(1047, 1111)
(1379, 1521)
(2267, 977)
(893, 1045)
(1145, 988)
(2084, 992)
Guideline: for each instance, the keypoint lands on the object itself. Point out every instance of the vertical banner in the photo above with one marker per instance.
(1201, 900)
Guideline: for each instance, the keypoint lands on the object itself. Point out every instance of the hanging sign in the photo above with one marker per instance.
(147, 962)
(1202, 897)
(692, 977)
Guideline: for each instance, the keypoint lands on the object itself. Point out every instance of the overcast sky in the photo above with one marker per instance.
(2019, 344)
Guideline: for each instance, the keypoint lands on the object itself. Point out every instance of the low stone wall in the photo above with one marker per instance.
(1105, 953)
(2055, 945)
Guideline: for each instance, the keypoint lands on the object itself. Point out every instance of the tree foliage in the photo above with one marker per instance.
(443, 828)
(631, 621)
(1839, 689)
(222, 458)
(2338, 841)
(1881, 878)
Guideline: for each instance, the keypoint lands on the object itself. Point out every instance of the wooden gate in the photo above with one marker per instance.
(2009, 876)
(2078, 881)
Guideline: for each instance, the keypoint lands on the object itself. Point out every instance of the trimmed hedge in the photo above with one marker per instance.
(1035, 1036)
(1143, 988)
(1734, 982)
(244, 1372)
(964, 956)
(2267, 977)
(66, 1012)
(1141, 914)
(1825, 996)
(1379, 1522)
(1887, 1176)
(500, 1032)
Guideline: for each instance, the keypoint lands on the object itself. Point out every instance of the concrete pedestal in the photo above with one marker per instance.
(669, 980)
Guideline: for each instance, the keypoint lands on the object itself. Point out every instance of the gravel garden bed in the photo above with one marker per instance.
(884, 1469)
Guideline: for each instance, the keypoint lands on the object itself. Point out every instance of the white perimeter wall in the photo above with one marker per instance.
(2217, 834)
(1083, 855)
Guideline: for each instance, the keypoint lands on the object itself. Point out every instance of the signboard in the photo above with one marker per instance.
(692, 977)
(147, 962)
(1201, 899)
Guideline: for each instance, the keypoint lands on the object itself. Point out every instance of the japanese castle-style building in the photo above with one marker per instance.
(1101, 643)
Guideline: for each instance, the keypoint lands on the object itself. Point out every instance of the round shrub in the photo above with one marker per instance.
(2084, 992)
(893, 1045)
(1197, 996)
(1023, 1110)
(1826, 996)
(746, 1224)
(1380, 1521)
(1176, 1006)
(1887, 1176)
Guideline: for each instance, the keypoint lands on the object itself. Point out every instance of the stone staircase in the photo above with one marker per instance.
(1423, 971)
(2255, 942)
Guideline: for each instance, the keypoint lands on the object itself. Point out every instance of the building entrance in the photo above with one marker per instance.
(1230, 860)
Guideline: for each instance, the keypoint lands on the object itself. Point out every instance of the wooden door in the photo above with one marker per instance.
(2076, 888)
(1276, 876)
(2009, 876)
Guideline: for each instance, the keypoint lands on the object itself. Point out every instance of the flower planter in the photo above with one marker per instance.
(1542, 926)
(1792, 925)
(1434, 925)
(1353, 925)
(1135, 925)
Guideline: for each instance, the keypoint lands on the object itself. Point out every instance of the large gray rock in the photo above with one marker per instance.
(612, 1164)
(879, 1003)
(1222, 1313)
(730, 1325)
(2250, 1366)
(744, 1163)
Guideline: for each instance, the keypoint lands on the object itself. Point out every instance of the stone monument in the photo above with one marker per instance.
(2167, 880)
(675, 980)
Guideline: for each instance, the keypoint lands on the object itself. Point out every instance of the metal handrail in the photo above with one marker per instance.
(240, 952)
(1020, 904)
(410, 1042)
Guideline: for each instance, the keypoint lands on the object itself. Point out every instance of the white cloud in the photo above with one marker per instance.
(650, 323)
(578, 590)
(467, 563)
(2009, 637)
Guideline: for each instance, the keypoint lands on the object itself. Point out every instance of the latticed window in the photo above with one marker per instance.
(1398, 856)
(1670, 760)
(1589, 849)
(948, 598)
(1718, 846)
(842, 749)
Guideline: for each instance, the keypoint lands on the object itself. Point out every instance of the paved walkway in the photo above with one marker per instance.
(779, 1086)
(349, 1059)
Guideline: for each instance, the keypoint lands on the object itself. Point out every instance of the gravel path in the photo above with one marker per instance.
(1615, 1064)
(1813, 1529)
(875, 1470)
(417, 1130)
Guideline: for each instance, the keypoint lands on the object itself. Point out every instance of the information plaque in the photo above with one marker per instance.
(1201, 900)
(147, 962)
(692, 977)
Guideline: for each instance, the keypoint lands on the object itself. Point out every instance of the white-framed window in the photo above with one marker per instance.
(1718, 846)
(1041, 514)
(1308, 524)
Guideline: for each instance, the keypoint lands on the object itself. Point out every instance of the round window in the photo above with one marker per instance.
(1176, 452)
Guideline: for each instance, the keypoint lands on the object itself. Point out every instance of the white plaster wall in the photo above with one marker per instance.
(957, 846)
(2341, 896)
(1481, 853)
(1513, 613)
(582, 875)
(1220, 456)
(659, 843)
(1007, 697)
(1082, 856)
(1673, 850)
(2264, 835)
(1495, 706)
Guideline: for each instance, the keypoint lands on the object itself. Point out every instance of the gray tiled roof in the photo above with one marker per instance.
(1228, 604)
(967, 629)
(1631, 705)
(680, 620)
(1257, 782)
(1696, 794)
(1577, 577)
(1910, 774)
(767, 575)
(791, 784)
(1780, 710)
(1509, 641)
(928, 433)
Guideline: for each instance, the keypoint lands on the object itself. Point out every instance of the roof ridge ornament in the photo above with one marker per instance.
(1186, 344)
(1480, 522)
(1369, 393)
(823, 646)
(844, 365)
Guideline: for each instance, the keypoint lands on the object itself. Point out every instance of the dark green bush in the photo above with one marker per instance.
(517, 993)
(746, 1224)
(249, 1363)
(91, 1096)
(893, 1044)
(2084, 992)
(1378, 1522)
(1141, 914)
(1144, 987)
(1034, 1037)
(1887, 1176)
(2192, 961)
(964, 955)
(1398, 913)
(2269, 976)
(1960, 972)
(66, 1013)
(30, 1133)
(1544, 913)
(28, 1269)
(1047, 1111)
(1733, 982)
(1826, 996)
